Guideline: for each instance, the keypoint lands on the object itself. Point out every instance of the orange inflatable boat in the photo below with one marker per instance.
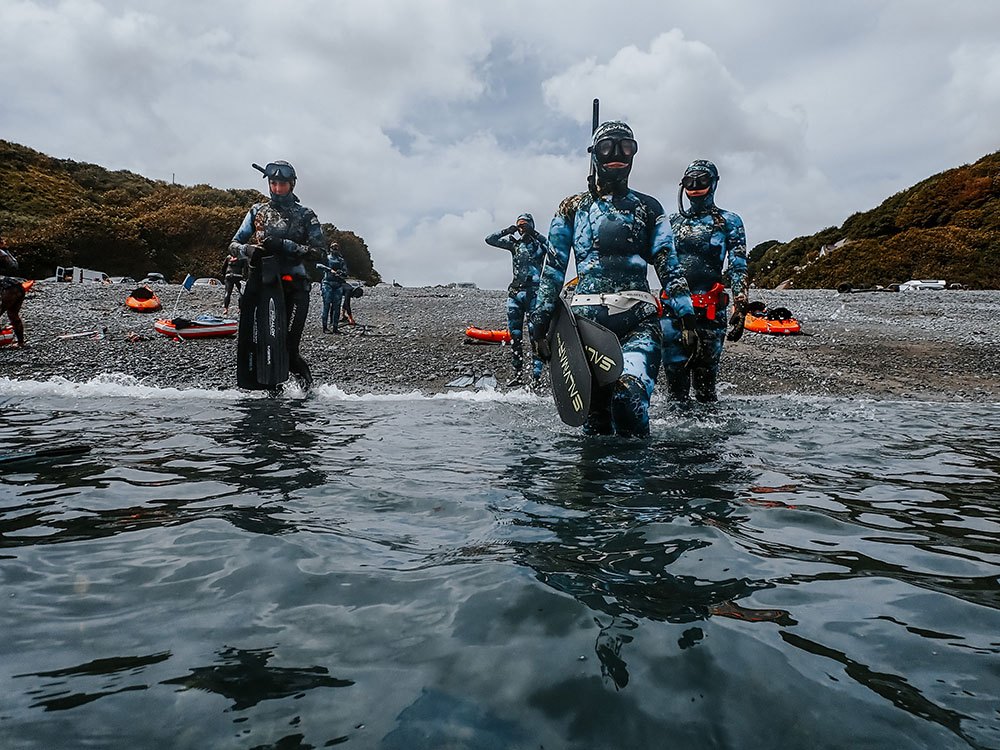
(143, 299)
(777, 321)
(202, 327)
(481, 334)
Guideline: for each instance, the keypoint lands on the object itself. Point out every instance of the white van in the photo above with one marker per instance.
(77, 275)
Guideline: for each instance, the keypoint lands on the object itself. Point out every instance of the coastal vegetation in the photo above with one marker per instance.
(58, 212)
(945, 227)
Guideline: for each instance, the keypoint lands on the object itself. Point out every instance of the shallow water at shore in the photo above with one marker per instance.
(406, 571)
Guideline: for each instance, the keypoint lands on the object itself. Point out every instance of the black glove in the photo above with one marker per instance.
(540, 340)
(541, 349)
(511, 229)
(738, 319)
(273, 245)
(689, 337)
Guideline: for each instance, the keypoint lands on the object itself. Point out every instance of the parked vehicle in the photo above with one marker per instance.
(154, 278)
(78, 275)
(916, 285)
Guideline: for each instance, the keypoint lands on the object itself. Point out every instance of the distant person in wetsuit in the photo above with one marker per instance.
(332, 288)
(11, 293)
(527, 249)
(711, 246)
(350, 292)
(284, 229)
(232, 273)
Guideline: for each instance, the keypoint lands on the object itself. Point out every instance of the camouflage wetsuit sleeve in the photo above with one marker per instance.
(502, 240)
(316, 243)
(668, 267)
(244, 234)
(560, 245)
(736, 247)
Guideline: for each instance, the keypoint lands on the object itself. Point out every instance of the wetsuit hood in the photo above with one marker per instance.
(528, 218)
(700, 204)
(283, 170)
(611, 179)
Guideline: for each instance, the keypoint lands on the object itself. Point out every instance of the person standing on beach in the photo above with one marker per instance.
(11, 293)
(527, 249)
(276, 236)
(711, 244)
(332, 287)
(615, 233)
(232, 273)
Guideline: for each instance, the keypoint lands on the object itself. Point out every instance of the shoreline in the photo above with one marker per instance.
(932, 346)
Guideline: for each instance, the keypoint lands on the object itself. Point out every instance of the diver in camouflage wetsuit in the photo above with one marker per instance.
(711, 244)
(527, 248)
(285, 228)
(615, 233)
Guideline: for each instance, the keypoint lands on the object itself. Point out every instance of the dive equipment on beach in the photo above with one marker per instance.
(261, 351)
(495, 336)
(7, 336)
(777, 321)
(203, 326)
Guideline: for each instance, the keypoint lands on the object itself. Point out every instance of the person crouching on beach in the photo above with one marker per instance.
(711, 244)
(527, 249)
(11, 293)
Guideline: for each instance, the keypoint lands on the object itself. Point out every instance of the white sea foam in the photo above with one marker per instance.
(114, 385)
(117, 385)
(518, 396)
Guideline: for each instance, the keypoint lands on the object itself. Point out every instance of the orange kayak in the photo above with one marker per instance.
(28, 284)
(777, 327)
(481, 334)
(143, 299)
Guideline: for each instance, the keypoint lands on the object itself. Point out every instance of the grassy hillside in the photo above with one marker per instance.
(56, 212)
(946, 227)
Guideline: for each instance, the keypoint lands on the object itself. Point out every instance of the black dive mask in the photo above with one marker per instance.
(697, 181)
(615, 149)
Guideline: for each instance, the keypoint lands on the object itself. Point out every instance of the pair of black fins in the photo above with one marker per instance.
(583, 353)
(261, 350)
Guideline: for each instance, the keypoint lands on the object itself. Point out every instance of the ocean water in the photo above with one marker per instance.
(226, 571)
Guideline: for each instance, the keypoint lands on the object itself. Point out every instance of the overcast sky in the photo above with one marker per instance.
(425, 125)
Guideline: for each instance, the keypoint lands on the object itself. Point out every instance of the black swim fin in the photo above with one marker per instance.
(604, 351)
(568, 367)
(261, 351)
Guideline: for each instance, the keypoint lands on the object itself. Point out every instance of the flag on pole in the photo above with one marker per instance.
(188, 284)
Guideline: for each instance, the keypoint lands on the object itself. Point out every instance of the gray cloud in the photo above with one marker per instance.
(424, 127)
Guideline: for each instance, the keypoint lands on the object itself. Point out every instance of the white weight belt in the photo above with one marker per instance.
(616, 301)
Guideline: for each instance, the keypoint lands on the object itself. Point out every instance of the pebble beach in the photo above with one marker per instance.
(926, 345)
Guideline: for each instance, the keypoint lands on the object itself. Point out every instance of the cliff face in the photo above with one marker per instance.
(61, 212)
(946, 227)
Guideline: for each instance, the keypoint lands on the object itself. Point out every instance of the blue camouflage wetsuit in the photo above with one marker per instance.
(527, 256)
(292, 232)
(614, 237)
(708, 240)
(332, 287)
